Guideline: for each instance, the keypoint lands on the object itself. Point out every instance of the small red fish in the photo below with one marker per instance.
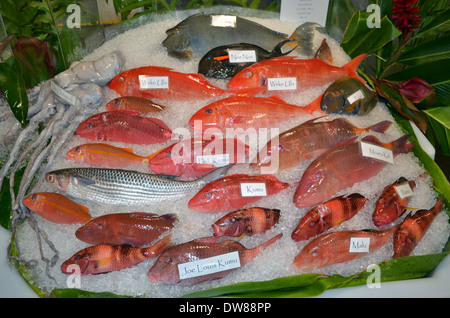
(57, 208)
(169, 85)
(234, 192)
(99, 259)
(413, 229)
(249, 221)
(390, 205)
(134, 103)
(248, 112)
(124, 126)
(193, 158)
(136, 229)
(341, 167)
(101, 154)
(308, 73)
(166, 270)
(334, 248)
(327, 215)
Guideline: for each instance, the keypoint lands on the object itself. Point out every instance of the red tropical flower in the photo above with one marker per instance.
(404, 13)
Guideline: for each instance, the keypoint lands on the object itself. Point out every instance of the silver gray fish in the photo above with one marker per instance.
(116, 186)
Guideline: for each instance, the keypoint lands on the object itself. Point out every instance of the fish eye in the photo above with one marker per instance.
(33, 197)
(312, 223)
(207, 194)
(77, 257)
(280, 147)
(248, 74)
(100, 226)
(116, 102)
(208, 110)
(177, 31)
(89, 125)
(77, 149)
(121, 79)
(168, 260)
(314, 253)
(50, 178)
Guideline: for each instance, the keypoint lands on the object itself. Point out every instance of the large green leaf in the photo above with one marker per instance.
(440, 120)
(427, 52)
(359, 38)
(438, 25)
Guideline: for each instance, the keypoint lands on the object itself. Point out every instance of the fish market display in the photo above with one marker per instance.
(309, 140)
(393, 202)
(327, 215)
(225, 61)
(57, 208)
(413, 228)
(343, 166)
(103, 258)
(288, 74)
(249, 221)
(135, 228)
(133, 103)
(234, 192)
(163, 83)
(192, 158)
(124, 126)
(192, 173)
(116, 186)
(166, 268)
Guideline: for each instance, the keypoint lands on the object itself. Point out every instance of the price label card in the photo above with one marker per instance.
(301, 11)
(253, 189)
(223, 21)
(219, 160)
(282, 84)
(359, 244)
(209, 265)
(242, 56)
(404, 190)
(359, 94)
(153, 82)
(63, 94)
(377, 152)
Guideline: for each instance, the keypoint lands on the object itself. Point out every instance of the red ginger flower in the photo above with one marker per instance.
(405, 16)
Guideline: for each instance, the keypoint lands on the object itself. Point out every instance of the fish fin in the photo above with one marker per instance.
(84, 181)
(324, 53)
(208, 240)
(381, 126)
(154, 154)
(353, 65)
(277, 98)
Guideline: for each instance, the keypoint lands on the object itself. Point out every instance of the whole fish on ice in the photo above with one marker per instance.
(165, 270)
(134, 103)
(341, 167)
(116, 186)
(134, 228)
(124, 126)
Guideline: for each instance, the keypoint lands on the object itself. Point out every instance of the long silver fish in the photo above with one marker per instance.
(116, 186)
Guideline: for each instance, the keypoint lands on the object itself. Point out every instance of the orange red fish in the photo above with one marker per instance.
(134, 103)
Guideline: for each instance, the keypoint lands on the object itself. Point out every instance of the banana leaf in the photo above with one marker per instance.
(427, 52)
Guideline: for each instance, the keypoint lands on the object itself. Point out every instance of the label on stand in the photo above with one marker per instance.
(153, 82)
(282, 84)
(242, 56)
(219, 160)
(253, 189)
(209, 265)
(404, 190)
(359, 244)
(223, 21)
(301, 11)
(377, 152)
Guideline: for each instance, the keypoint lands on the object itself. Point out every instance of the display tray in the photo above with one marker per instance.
(141, 46)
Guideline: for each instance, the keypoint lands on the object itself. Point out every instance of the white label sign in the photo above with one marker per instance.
(359, 244)
(404, 190)
(219, 160)
(153, 82)
(242, 56)
(253, 189)
(359, 94)
(223, 21)
(301, 11)
(377, 152)
(62, 94)
(282, 84)
(209, 265)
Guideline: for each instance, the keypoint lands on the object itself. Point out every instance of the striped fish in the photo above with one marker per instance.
(116, 186)
(327, 215)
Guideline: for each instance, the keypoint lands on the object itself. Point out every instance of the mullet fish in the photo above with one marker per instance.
(103, 258)
(341, 167)
(116, 186)
(309, 140)
(413, 229)
(335, 247)
(327, 215)
(166, 270)
(136, 228)
(249, 222)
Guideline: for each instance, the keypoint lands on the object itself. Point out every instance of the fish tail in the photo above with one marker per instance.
(278, 50)
(159, 246)
(352, 67)
(313, 106)
(439, 205)
(381, 126)
(216, 174)
(249, 255)
(402, 145)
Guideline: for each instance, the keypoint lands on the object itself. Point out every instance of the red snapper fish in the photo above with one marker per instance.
(413, 229)
(103, 258)
(134, 103)
(340, 247)
(136, 228)
(234, 192)
(57, 208)
(309, 140)
(166, 268)
(272, 75)
(249, 222)
(341, 167)
(248, 112)
(390, 205)
(327, 215)
(124, 126)
(194, 157)
(163, 83)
